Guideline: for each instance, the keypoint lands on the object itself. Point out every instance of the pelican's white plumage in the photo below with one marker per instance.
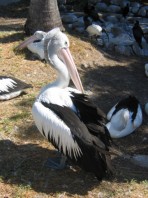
(11, 87)
(35, 44)
(46, 119)
(124, 117)
(65, 115)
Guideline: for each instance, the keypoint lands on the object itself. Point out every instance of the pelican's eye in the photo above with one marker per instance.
(66, 43)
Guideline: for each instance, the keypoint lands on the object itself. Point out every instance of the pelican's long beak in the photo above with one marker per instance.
(27, 42)
(68, 60)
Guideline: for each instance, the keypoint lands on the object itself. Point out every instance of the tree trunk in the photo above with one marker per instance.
(43, 15)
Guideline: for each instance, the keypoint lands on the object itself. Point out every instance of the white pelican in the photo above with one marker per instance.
(11, 87)
(35, 44)
(124, 117)
(65, 115)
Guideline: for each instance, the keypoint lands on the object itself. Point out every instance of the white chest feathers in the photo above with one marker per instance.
(51, 125)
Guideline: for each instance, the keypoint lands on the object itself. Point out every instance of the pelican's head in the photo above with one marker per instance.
(56, 44)
(37, 36)
(56, 40)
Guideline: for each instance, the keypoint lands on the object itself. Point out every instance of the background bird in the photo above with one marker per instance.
(11, 87)
(124, 117)
(125, 10)
(66, 117)
(138, 34)
(89, 10)
(94, 30)
(35, 44)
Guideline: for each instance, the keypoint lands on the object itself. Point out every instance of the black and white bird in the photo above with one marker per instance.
(124, 117)
(11, 87)
(138, 34)
(66, 117)
(35, 44)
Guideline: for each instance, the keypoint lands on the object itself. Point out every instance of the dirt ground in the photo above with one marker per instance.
(24, 152)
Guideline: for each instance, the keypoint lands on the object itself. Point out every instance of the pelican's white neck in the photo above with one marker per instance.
(63, 77)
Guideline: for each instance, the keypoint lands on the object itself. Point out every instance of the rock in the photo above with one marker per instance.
(116, 31)
(114, 8)
(69, 18)
(138, 50)
(101, 7)
(142, 11)
(70, 26)
(124, 3)
(100, 42)
(135, 7)
(122, 39)
(124, 49)
(112, 18)
(135, 4)
(78, 23)
(119, 35)
(116, 2)
(79, 29)
(108, 26)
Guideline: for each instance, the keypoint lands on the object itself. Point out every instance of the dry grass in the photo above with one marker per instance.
(23, 151)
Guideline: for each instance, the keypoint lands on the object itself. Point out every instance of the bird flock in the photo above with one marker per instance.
(65, 116)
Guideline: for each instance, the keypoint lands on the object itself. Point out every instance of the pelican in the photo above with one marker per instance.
(11, 87)
(124, 117)
(35, 44)
(66, 117)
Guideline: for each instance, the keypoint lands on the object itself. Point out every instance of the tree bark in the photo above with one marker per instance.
(43, 15)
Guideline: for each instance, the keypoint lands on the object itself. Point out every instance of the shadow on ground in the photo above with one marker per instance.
(15, 10)
(26, 165)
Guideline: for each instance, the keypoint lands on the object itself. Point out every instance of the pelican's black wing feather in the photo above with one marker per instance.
(14, 85)
(95, 153)
(93, 117)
